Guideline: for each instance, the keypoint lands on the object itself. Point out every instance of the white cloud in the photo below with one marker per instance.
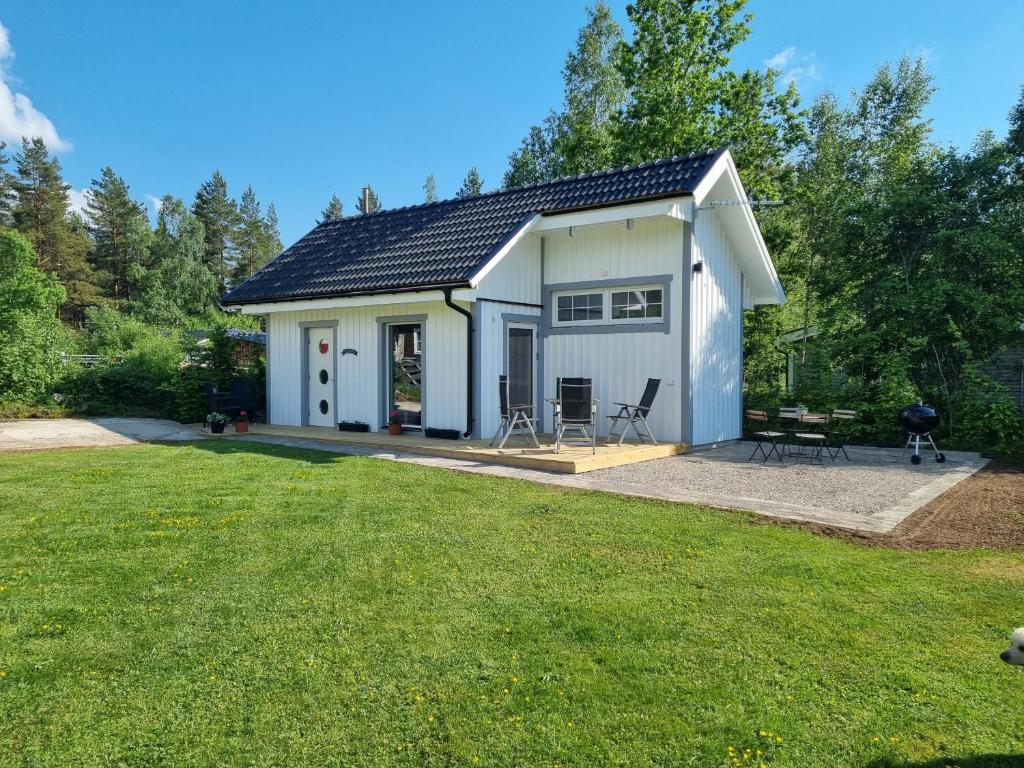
(6, 52)
(76, 200)
(795, 67)
(780, 59)
(154, 201)
(18, 115)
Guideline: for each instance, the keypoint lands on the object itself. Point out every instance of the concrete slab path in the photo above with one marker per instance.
(41, 434)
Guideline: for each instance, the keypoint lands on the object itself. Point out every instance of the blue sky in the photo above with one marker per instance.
(304, 99)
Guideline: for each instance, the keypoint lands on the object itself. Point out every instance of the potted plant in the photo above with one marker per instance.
(217, 420)
(242, 422)
(394, 425)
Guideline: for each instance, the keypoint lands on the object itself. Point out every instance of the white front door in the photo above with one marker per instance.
(320, 377)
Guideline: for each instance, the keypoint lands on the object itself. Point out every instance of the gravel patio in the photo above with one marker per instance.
(872, 493)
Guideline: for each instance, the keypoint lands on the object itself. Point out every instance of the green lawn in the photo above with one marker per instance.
(243, 604)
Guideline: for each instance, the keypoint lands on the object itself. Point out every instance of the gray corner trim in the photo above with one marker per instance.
(538, 367)
(540, 339)
(383, 364)
(665, 326)
(304, 327)
(685, 315)
(267, 369)
(742, 315)
(477, 310)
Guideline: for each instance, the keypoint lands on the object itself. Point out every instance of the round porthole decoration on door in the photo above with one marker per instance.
(324, 407)
(323, 376)
(324, 346)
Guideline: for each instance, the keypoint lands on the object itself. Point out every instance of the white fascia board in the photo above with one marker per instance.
(502, 252)
(673, 208)
(725, 165)
(370, 300)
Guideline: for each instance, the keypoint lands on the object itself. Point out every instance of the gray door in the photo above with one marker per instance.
(520, 365)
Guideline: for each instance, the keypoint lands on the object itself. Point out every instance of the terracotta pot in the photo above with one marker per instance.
(241, 426)
(394, 429)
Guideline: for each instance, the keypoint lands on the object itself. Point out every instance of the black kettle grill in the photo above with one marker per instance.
(919, 420)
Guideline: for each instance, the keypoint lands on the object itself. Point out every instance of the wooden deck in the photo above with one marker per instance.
(573, 459)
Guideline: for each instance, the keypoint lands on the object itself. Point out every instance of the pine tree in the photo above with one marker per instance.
(59, 240)
(333, 211)
(430, 190)
(6, 189)
(179, 286)
(219, 216)
(374, 205)
(120, 231)
(253, 243)
(273, 230)
(471, 185)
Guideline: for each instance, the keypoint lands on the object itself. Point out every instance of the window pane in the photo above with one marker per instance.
(564, 315)
(654, 310)
(654, 296)
(564, 302)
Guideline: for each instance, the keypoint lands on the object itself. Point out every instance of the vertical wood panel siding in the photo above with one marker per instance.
(358, 391)
(491, 363)
(517, 276)
(716, 345)
(620, 363)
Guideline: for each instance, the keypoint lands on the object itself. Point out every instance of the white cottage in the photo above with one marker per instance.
(617, 276)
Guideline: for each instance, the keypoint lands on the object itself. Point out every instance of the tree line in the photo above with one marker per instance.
(110, 255)
(902, 259)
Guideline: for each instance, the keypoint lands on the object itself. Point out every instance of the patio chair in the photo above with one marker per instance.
(516, 419)
(842, 425)
(576, 409)
(811, 442)
(635, 416)
(760, 430)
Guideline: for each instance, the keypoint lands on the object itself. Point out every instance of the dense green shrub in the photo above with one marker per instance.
(153, 372)
(33, 342)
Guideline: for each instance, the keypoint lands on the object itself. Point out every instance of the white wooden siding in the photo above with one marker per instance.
(517, 276)
(716, 341)
(359, 393)
(620, 363)
(491, 361)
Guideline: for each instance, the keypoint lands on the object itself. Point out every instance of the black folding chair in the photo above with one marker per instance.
(516, 419)
(635, 416)
(576, 410)
(762, 433)
(841, 424)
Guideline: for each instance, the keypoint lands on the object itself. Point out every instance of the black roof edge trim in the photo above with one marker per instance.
(347, 294)
(618, 203)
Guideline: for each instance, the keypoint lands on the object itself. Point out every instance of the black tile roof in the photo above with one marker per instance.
(443, 244)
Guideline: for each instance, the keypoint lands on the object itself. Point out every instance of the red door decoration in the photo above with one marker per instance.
(323, 346)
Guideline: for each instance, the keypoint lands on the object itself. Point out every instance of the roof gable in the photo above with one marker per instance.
(444, 244)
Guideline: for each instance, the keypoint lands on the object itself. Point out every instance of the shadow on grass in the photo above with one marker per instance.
(232, 446)
(971, 761)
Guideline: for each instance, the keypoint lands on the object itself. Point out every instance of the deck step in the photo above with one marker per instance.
(572, 459)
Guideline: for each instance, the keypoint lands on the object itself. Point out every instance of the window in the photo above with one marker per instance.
(615, 305)
(635, 305)
(580, 307)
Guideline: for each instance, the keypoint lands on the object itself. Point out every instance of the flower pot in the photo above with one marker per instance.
(217, 427)
(241, 427)
(394, 429)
